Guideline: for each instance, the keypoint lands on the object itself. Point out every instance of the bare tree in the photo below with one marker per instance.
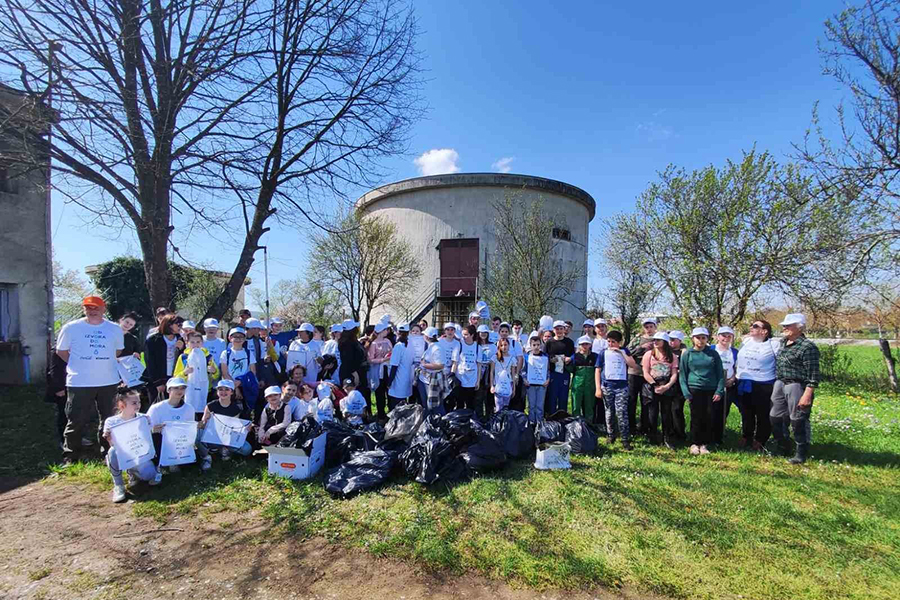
(527, 276)
(366, 263)
(208, 110)
(302, 300)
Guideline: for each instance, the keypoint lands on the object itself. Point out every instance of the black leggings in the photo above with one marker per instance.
(755, 421)
(465, 398)
(381, 397)
(702, 416)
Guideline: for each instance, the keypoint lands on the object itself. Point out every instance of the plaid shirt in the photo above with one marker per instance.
(798, 362)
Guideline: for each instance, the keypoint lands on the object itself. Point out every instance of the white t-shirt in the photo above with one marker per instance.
(215, 347)
(467, 365)
(402, 358)
(614, 366)
(756, 360)
(727, 357)
(449, 353)
(486, 353)
(170, 354)
(300, 408)
(516, 349)
(599, 345)
(432, 355)
(237, 364)
(537, 367)
(163, 412)
(503, 375)
(305, 354)
(114, 420)
(92, 352)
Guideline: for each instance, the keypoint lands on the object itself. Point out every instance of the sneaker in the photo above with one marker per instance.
(226, 455)
(157, 479)
(695, 449)
(174, 469)
(704, 450)
(118, 493)
(87, 442)
(206, 463)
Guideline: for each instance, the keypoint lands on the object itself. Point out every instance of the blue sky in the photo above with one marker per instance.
(601, 97)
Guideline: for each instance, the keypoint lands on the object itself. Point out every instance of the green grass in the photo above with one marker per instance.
(728, 525)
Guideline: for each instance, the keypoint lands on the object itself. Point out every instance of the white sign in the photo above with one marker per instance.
(133, 442)
(221, 430)
(417, 344)
(178, 439)
(198, 380)
(537, 369)
(130, 371)
(614, 365)
(296, 357)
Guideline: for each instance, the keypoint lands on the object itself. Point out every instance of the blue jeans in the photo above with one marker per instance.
(558, 392)
(535, 394)
(145, 471)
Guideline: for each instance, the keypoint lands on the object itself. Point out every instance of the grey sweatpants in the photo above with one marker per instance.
(785, 410)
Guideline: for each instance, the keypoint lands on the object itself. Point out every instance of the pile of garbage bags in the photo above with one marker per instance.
(434, 449)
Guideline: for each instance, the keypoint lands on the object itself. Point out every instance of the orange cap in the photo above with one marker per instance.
(94, 301)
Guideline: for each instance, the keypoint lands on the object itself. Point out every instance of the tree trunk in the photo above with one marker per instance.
(156, 267)
(891, 365)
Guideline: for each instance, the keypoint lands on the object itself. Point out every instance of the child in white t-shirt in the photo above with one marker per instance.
(127, 404)
(175, 410)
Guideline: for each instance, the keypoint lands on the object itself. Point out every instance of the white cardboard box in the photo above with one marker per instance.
(294, 463)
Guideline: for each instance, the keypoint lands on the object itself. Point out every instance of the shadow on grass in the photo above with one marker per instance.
(28, 444)
(841, 452)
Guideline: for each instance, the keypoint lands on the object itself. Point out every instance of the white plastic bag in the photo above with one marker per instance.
(198, 381)
(553, 456)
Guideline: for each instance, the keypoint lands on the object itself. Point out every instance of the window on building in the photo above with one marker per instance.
(561, 233)
(9, 312)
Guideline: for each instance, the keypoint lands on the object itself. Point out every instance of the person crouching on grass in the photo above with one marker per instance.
(703, 384)
(175, 409)
(225, 405)
(611, 382)
(127, 404)
(274, 419)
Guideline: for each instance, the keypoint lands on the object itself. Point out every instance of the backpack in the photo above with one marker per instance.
(249, 383)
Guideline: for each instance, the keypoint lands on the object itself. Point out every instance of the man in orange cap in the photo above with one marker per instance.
(90, 347)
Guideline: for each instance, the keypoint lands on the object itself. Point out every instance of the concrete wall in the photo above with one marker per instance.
(24, 265)
(427, 210)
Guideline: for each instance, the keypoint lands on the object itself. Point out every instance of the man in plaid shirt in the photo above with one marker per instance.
(796, 378)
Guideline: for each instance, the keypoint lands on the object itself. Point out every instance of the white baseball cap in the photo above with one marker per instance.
(675, 334)
(188, 325)
(648, 320)
(275, 321)
(380, 326)
(725, 329)
(474, 314)
(253, 324)
(323, 390)
(585, 339)
(307, 327)
(480, 305)
(403, 327)
(483, 329)
(336, 328)
(349, 324)
(176, 382)
(432, 332)
(559, 324)
(794, 319)
(700, 331)
(225, 383)
(588, 323)
(272, 390)
(209, 323)
(449, 325)
(235, 330)
(546, 322)
(534, 334)
(661, 335)
(600, 322)
(505, 324)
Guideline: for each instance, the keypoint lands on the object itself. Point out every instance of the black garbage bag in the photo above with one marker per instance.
(341, 442)
(429, 460)
(459, 424)
(514, 431)
(549, 431)
(301, 434)
(485, 454)
(559, 415)
(395, 445)
(364, 471)
(580, 435)
(403, 422)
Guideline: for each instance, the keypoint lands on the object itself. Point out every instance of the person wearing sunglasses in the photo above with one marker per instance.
(755, 372)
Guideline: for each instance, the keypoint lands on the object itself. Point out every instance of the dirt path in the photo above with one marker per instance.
(59, 541)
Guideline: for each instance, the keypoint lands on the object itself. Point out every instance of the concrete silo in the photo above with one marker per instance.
(449, 221)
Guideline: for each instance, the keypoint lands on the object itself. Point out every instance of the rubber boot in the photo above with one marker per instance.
(800, 457)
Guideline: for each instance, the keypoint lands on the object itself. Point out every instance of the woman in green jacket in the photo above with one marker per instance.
(702, 383)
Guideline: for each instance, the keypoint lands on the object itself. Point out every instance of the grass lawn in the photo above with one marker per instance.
(728, 525)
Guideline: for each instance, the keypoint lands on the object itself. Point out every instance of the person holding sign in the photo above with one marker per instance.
(611, 382)
(583, 386)
(127, 404)
(197, 367)
(467, 369)
(503, 384)
(536, 377)
(560, 350)
(175, 410)
(224, 406)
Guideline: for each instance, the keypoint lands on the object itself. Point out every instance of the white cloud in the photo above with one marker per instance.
(438, 161)
(504, 165)
(655, 132)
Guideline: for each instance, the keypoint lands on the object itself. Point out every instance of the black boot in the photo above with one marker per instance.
(667, 443)
(800, 457)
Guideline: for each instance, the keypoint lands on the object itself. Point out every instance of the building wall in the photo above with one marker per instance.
(426, 215)
(24, 269)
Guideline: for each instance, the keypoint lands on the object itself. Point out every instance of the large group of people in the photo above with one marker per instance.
(271, 377)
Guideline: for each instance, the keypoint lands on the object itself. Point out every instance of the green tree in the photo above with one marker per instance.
(526, 276)
(365, 263)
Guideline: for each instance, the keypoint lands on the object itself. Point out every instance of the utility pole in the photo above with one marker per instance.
(265, 250)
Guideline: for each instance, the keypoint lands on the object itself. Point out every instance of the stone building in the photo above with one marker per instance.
(449, 221)
(26, 295)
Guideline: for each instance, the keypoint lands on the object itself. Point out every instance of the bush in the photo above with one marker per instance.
(834, 365)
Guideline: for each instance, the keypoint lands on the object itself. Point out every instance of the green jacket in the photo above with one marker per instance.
(701, 370)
